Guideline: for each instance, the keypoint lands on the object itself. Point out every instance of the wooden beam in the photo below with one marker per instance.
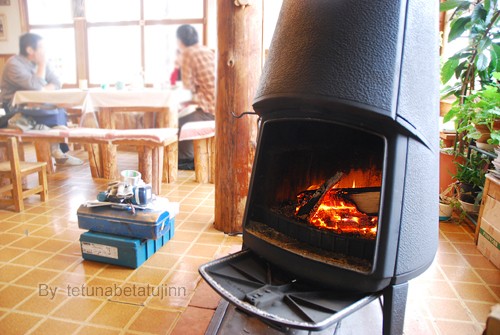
(239, 67)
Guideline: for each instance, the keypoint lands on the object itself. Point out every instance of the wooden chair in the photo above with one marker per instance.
(15, 170)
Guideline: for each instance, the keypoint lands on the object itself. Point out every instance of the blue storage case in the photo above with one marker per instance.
(145, 224)
(121, 250)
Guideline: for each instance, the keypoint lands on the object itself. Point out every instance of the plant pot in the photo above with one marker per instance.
(445, 211)
(447, 168)
(469, 207)
(485, 146)
(485, 133)
(468, 192)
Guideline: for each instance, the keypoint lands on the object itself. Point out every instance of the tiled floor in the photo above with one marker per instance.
(46, 287)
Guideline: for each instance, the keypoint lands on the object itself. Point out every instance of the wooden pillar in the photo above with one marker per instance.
(239, 30)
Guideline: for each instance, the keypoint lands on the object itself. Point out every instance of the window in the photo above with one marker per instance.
(119, 40)
(53, 20)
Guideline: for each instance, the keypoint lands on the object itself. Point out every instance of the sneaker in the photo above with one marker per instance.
(68, 160)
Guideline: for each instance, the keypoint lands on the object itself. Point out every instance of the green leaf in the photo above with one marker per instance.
(482, 62)
(496, 49)
(479, 13)
(487, 5)
(450, 4)
(457, 28)
(448, 69)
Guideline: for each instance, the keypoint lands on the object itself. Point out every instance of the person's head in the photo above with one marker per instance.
(31, 46)
(186, 36)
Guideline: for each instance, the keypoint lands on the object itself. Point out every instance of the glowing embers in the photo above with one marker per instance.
(352, 211)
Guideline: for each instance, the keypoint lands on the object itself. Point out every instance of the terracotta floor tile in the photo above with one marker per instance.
(205, 297)
(115, 314)
(191, 264)
(73, 249)
(190, 226)
(474, 292)
(115, 272)
(185, 236)
(10, 272)
(214, 239)
(133, 293)
(193, 321)
(27, 242)
(101, 288)
(36, 277)
(52, 245)
(491, 277)
(70, 278)
(451, 259)
(461, 274)
(8, 238)
(449, 309)
(17, 324)
(31, 258)
(95, 330)
(435, 289)
(44, 301)
(51, 326)
(154, 321)
(148, 275)
(25, 229)
(59, 262)
(48, 231)
(467, 249)
(5, 226)
(174, 247)
(161, 260)
(11, 296)
(9, 253)
(86, 268)
(458, 328)
(41, 220)
(479, 262)
(77, 308)
(22, 217)
(202, 250)
(480, 310)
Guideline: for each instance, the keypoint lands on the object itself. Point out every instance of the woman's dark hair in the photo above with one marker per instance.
(187, 35)
(28, 40)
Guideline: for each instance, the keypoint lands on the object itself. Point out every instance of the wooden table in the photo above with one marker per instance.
(160, 105)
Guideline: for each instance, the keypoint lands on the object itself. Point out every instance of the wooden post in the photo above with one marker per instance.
(239, 30)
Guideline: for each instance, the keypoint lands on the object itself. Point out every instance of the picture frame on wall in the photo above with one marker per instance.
(3, 27)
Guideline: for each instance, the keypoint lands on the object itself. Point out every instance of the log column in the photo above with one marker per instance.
(239, 29)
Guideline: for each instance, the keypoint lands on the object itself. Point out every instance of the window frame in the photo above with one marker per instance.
(81, 26)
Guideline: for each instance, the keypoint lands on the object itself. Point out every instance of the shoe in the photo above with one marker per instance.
(186, 164)
(68, 160)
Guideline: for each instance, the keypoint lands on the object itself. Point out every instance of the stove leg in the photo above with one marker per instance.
(394, 309)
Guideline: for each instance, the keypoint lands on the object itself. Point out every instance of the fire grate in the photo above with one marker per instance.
(278, 297)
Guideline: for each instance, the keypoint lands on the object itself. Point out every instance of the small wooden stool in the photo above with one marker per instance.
(202, 134)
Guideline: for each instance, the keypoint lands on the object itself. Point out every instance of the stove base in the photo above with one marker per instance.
(229, 320)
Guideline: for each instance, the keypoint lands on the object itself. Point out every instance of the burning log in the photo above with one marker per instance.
(309, 203)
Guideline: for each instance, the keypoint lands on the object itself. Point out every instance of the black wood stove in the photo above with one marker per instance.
(342, 206)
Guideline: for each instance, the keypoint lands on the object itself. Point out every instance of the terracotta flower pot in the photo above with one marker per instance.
(485, 133)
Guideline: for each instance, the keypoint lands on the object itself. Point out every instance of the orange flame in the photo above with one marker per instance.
(341, 215)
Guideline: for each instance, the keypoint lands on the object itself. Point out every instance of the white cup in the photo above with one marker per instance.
(131, 177)
(83, 84)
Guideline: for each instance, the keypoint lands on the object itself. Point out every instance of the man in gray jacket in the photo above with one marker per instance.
(29, 71)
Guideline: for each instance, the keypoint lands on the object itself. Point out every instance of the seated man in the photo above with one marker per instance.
(198, 75)
(29, 71)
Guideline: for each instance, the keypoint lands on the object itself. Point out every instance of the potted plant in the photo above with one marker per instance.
(474, 66)
(448, 201)
(479, 116)
(471, 176)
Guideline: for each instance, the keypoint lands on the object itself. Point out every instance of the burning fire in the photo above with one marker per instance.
(336, 212)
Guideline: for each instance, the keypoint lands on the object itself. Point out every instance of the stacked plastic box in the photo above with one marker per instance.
(125, 237)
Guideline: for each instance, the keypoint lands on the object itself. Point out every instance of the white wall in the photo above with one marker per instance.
(11, 45)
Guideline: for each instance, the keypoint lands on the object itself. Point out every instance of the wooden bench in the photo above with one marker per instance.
(101, 147)
(202, 134)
